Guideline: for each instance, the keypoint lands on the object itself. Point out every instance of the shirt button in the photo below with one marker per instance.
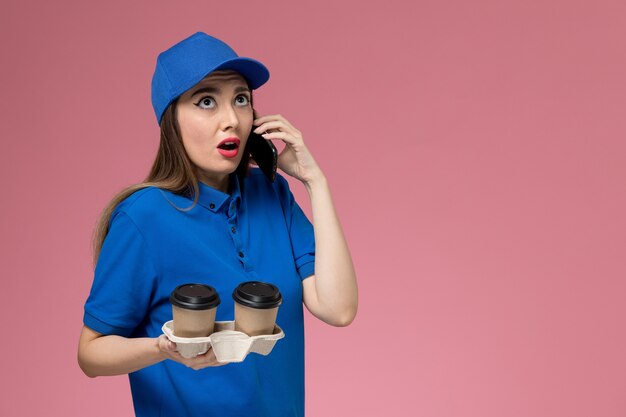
(241, 254)
(232, 229)
(211, 206)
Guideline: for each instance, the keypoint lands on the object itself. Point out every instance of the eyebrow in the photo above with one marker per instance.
(216, 90)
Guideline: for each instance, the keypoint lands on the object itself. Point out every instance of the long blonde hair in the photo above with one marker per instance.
(172, 170)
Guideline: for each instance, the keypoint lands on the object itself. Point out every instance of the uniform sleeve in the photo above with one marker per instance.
(124, 280)
(300, 231)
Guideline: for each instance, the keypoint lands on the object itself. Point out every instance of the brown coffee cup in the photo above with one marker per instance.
(194, 307)
(256, 307)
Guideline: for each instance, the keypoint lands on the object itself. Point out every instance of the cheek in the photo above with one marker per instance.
(248, 118)
(193, 133)
(246, 124)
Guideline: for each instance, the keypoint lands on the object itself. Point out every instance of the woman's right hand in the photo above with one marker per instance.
(169, 351)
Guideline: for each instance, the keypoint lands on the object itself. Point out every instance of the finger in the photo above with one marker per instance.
(272, 117)
(198, 362)
(272, 126)
(167, 344)
(284, 136)
(205, 360)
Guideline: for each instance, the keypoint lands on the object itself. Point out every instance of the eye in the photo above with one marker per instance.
(242, 100)
(206, 103)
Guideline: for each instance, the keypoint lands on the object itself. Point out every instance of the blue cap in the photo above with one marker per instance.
(185, 64)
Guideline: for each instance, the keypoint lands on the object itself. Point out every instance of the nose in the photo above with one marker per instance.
(230, 119)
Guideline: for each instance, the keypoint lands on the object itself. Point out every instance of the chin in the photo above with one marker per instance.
(219, 169)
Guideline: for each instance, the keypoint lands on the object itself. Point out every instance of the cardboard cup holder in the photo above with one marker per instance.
(228, 344)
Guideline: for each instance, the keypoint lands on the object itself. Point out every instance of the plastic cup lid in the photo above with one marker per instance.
(256, 294)
(195, 297)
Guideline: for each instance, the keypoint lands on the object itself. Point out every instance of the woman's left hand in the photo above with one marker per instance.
(295, 159)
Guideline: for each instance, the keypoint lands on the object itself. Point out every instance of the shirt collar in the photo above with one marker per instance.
(214, 199)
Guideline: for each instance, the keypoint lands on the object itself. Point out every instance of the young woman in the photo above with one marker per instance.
(204, 216)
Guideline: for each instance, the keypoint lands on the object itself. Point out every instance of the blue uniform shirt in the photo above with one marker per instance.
(258, 232)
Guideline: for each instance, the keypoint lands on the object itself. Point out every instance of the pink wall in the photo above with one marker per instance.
(477, 158)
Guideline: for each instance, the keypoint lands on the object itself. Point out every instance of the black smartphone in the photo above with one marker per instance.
(264, 154)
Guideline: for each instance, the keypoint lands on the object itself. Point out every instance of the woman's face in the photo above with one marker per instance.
(215, 119)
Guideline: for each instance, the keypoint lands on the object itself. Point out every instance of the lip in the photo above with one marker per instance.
(229, 153)
(231, 139)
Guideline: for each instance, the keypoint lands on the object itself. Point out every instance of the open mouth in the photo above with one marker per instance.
(229, 147)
